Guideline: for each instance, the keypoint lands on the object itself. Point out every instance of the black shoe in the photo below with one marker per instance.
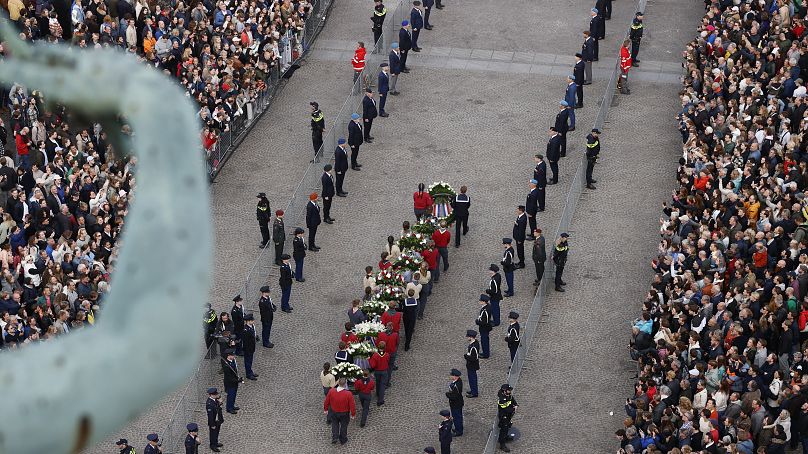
(594, 181)
(328, 221)
(457, 434)
(393, 93)
(589, 186)
(469, 394)
(428, 27)
(379, 404)
(406, 70)
(356, 168)
(253, 378)
(342, 194)
(288, 311)
(508, 295)
(530, 238)
(485, 356)
(579, 106)
(262, 245)
(570, 130)
(519, 266)
(559, 288)
(302, 279)
(358, 165)
(440, 7)
(214, 449)
(233, 412)
(368, 140)
(269, 345)
(385, 115)
(416, 49)
(634, 64)
(361, 424)
(219, 445)
(595, 59)
(550, 183)
(563, 283)
(333, 442)
(587, 83)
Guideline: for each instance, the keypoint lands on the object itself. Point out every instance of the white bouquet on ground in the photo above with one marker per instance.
(365, 329)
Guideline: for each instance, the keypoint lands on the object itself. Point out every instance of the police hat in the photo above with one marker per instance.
(429, 450)
(484, 297)
(493, 268)
(507, 241)
(416, 3)
(506, 387)
(384, 65)
(230, 352)
(327, 167)
(341, 140)
(314, 104)
(265, 289)
(445, 413)
(368, 90)
(122, 442)
(471, 333)
(152, 437)
(249, 317)
(596, 130)
(213, 391)
(285, 257)
(192, 427)
(455, 373)
(237, 298)
(299, 230)
(565, 235)
(513, 314)
(261, 195)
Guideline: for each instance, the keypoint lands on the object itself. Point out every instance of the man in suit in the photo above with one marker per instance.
(313, 220)
(327, 181)
(213, 407)
(356, 137)
(231, 380)
(427, 9)
(248, 340)
(597, 29)
(369, 112)
(285, 283)
(578, 72)
(562, 126)
(405, 44)
(460, 205)
(340, 165)
(519, 226)
(531, 207)
(278, 236)
(267, 310)
(540, 175)
(569, 97)
(554, 153)
(384, 85)
(299, 254)
(417, 22)
(588, 53)
(605, 8)
(395, 67)
(539, 255)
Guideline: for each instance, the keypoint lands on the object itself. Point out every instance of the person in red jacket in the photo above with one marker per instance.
(430, 256)
(23, 142)
(358, 61)
(384, 263)
(422, 201)
(364, 388)
(625, 65)
(348, 336)
(380, 363)
(392, 316)
(442, 237)
(340, 401)
(390, 338)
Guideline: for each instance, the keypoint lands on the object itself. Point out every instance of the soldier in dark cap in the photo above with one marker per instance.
(327, 180)
(123, 445)
(512, 337)
(237, 314)
(506, 408)
(484, 325)
(299, 253)
(231, 380)
(248, 341)
(267, 311)
(472, 356)
(455, 395)
(264, 216)
(445, 432)
(560, 260)
(278, 236)
(317, 127)
(153, 447)
(507, 265)
(213, 406)
(494, 292)
(578, 72)
(192, 441)
(429, 450)
(285, 283)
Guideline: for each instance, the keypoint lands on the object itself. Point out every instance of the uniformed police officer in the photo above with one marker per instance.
(210, 319)
(507, 265)
(192, 441)
(123, 445)
(248, 340)
(460, 205)
(455, 395)
(472, 357)
(483, 322)
(445, 432)
(278, 236)
(505, 410)
(379, 13)
(560, 260)
(513, 335)
(231, 380)
(264, 216)
(317, 127)
(237, 315)
(592, 152)
(153, 447)
(213, 406)
(494, 291)
(267, 311)
(635, 35)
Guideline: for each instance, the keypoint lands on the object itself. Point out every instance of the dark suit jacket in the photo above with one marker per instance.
(588, 49)
(312, 215)
(532, 202)
(404, 39)
(355, 135)
(519, 226)
(285, 279)
(562, 121)
(340, 160)
(248, 340)
(540, 174)
(578, 72)
(231, 378)
(237, 314)
(267, 309)
(416, 19)
(328, 185)
(554, 148)
(395, 63)
(384, 83)
(298, 248)
(369, 108)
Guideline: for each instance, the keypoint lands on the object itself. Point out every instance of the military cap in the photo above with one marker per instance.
(494, 267)
(471, 333)
(192, 427)
(506, 387)
(286, 257)
(327, 167)
(122, 442)
(249, 317)
(265, 289)
(455, 373)
(152, 437)
(513, 315)
(484, 297)
(237, 298)
(299, 230)
(213, 391)
(445, 413)
(507, 241)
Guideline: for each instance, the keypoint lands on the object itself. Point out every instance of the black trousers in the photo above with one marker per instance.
(540, 199)
(559, 271)
(327, 207)
(312, 235)
(264, 232)
(409, 329)
(580, 94)
(377, 33)
(504, 425)
(595, 47)
(531, 221)
(214, 435)
(278, 251)
(590, 166)
(427, 10)
(339, 426)
(554, 169)
(316, 140)
(635, 50)
(340, 179)
(563, 144)
(404, 59)
(368, 125)
(539, 271)
(461, 221)
(520, 251)
(354, 155)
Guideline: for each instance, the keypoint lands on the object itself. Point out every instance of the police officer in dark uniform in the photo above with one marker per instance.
(592, 152)
(578, 72)
(285, 283)
(123, 445)
(562, 126)
(379, 13)
(506, 408)
(456, 402)
(317, 127)
(560, 259)
(248, 340)
(278, 236)
(267, 310)
(213, 406)
(154, 445)
(209, 320)
(192, 441)
(472, 357)
(635, 35)
(445, 432)
(460, 205)
(231, 381)
(512, 337)
(328, 193)
(484, 323)
(264, 216)
(508, 266)
(519, 226)
(494, 292)
(237, 315)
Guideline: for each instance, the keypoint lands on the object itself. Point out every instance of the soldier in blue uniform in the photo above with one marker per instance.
(237, 315)
(369, 112)
(554, 152)
(192, 441)
(327, 180)
(578, 72)
(569, 98)
(445, 432)
(512, 337)
(562, 126)
(231, 380)
(508, 265)
(395, 67)
(494, 291)
(588, 54)
(267, 310)
(519, 226)
(213, 406)
(341, 165)
(285, 283)
(597, 29)
(299, 254)
(417, 22)
(472, 357)
(483, 322)
(405, 43)
(540, 175)
(123, 445)
(248, 339)
(592, 152)
(384, 84)
(153, 447)
(532, 210)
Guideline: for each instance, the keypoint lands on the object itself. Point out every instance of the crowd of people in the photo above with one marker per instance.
(721, 341)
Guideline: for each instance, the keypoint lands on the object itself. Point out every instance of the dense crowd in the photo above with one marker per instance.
(721, 341)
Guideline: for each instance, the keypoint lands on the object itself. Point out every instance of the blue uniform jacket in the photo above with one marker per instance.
(340, 160)
(395, 64)
(328, 185)
(588, 49)
(416, 19)
(384, 83)
(369, 108)
(570, 95)
(404, 39)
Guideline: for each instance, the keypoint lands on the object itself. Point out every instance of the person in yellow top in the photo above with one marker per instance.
(752, 207)
(14, 8)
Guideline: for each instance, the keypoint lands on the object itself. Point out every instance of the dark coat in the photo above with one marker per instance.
(578, 72)
(340, 160)
(562, 121)
(278, 231)
(519, 226)
(540, 174)
(384, 83)
(588, 49)
(395, 63)
(416, 19)
(369, 108)
(539, 250)
(267, 309)
(248, 338)
(237, 315)
(404, 39)
(328, 185)
(231, 376)
(285, 279)
(455, 394)
(298, 248)
(554, 148)
(472, 356)
(313, 215)
(532, 202)
(460, 205)
(494, 289)
(355, 135)
(214, 409)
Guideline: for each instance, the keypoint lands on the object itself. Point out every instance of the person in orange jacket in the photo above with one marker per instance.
(625, 65)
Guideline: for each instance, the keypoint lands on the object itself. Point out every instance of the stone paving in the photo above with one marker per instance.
(463, 126)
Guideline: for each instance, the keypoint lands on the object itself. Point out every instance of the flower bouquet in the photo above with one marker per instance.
(348, 371)
(408, 260)
(368, 329)
(413, 242)
(388, 293)
(389, 277)
(442, 194)
(374, 308)
(362, 349)
(426, 226)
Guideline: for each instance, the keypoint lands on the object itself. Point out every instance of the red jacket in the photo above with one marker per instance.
(22, 145)
(421, 200)
(379, 361)
(625, 59)
(349, 338)
(390, 341)
(441, 239)
(340, 401)
(395, 318)
(358, 61)
(384, 264)
(365, 388)
(431, 258)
